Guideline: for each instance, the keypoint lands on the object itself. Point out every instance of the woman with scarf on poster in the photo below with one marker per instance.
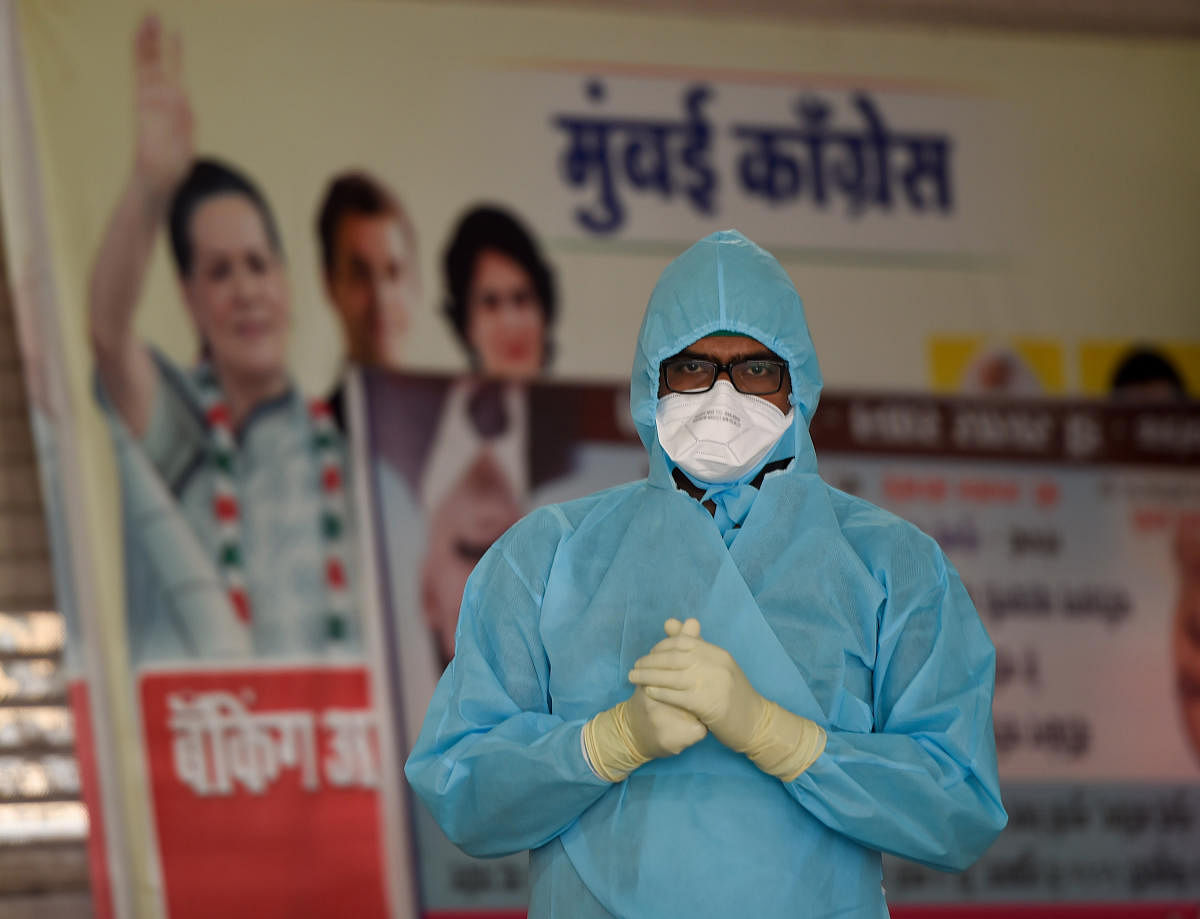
(256, 471)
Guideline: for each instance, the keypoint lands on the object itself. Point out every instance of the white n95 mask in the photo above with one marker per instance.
(720, 435)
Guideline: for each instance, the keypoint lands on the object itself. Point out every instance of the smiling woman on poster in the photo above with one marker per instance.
(255, 470)
(501, 299)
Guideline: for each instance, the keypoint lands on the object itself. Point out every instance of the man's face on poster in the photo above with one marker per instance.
(236, 290)
(374, 287)
(462, 526)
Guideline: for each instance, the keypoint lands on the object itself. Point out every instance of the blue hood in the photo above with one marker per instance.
(727, 283)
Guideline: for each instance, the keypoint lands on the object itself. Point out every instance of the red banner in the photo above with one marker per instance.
(89, 787)
(264, 790)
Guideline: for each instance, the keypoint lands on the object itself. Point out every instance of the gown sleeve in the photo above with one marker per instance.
(923, 784)
(497, 768)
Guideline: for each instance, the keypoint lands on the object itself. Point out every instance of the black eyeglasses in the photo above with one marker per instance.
(756, 376)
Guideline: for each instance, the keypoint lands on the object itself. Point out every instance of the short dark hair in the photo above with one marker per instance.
(356, 192)
(208, 178)
(491, 227)
(1146, 364)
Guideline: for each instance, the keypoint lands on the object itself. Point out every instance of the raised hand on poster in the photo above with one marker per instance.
(164, 146)
(162, 157)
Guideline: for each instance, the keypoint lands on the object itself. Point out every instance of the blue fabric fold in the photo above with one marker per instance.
(733, 503)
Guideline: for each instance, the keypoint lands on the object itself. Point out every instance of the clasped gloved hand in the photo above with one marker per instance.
(691, 674)
(640, 729)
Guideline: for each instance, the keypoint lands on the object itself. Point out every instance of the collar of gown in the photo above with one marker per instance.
(729, 504)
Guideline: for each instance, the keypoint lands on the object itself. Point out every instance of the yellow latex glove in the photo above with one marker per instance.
(640, 729)
(685, 671)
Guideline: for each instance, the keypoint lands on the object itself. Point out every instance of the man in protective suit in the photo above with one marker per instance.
(724, 689)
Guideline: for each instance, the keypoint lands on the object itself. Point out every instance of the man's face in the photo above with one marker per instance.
(726, 349)
(374, 287)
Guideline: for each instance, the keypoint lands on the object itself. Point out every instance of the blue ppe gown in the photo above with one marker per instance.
(837, 610)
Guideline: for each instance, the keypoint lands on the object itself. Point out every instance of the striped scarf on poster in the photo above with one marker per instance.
(227, 509)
